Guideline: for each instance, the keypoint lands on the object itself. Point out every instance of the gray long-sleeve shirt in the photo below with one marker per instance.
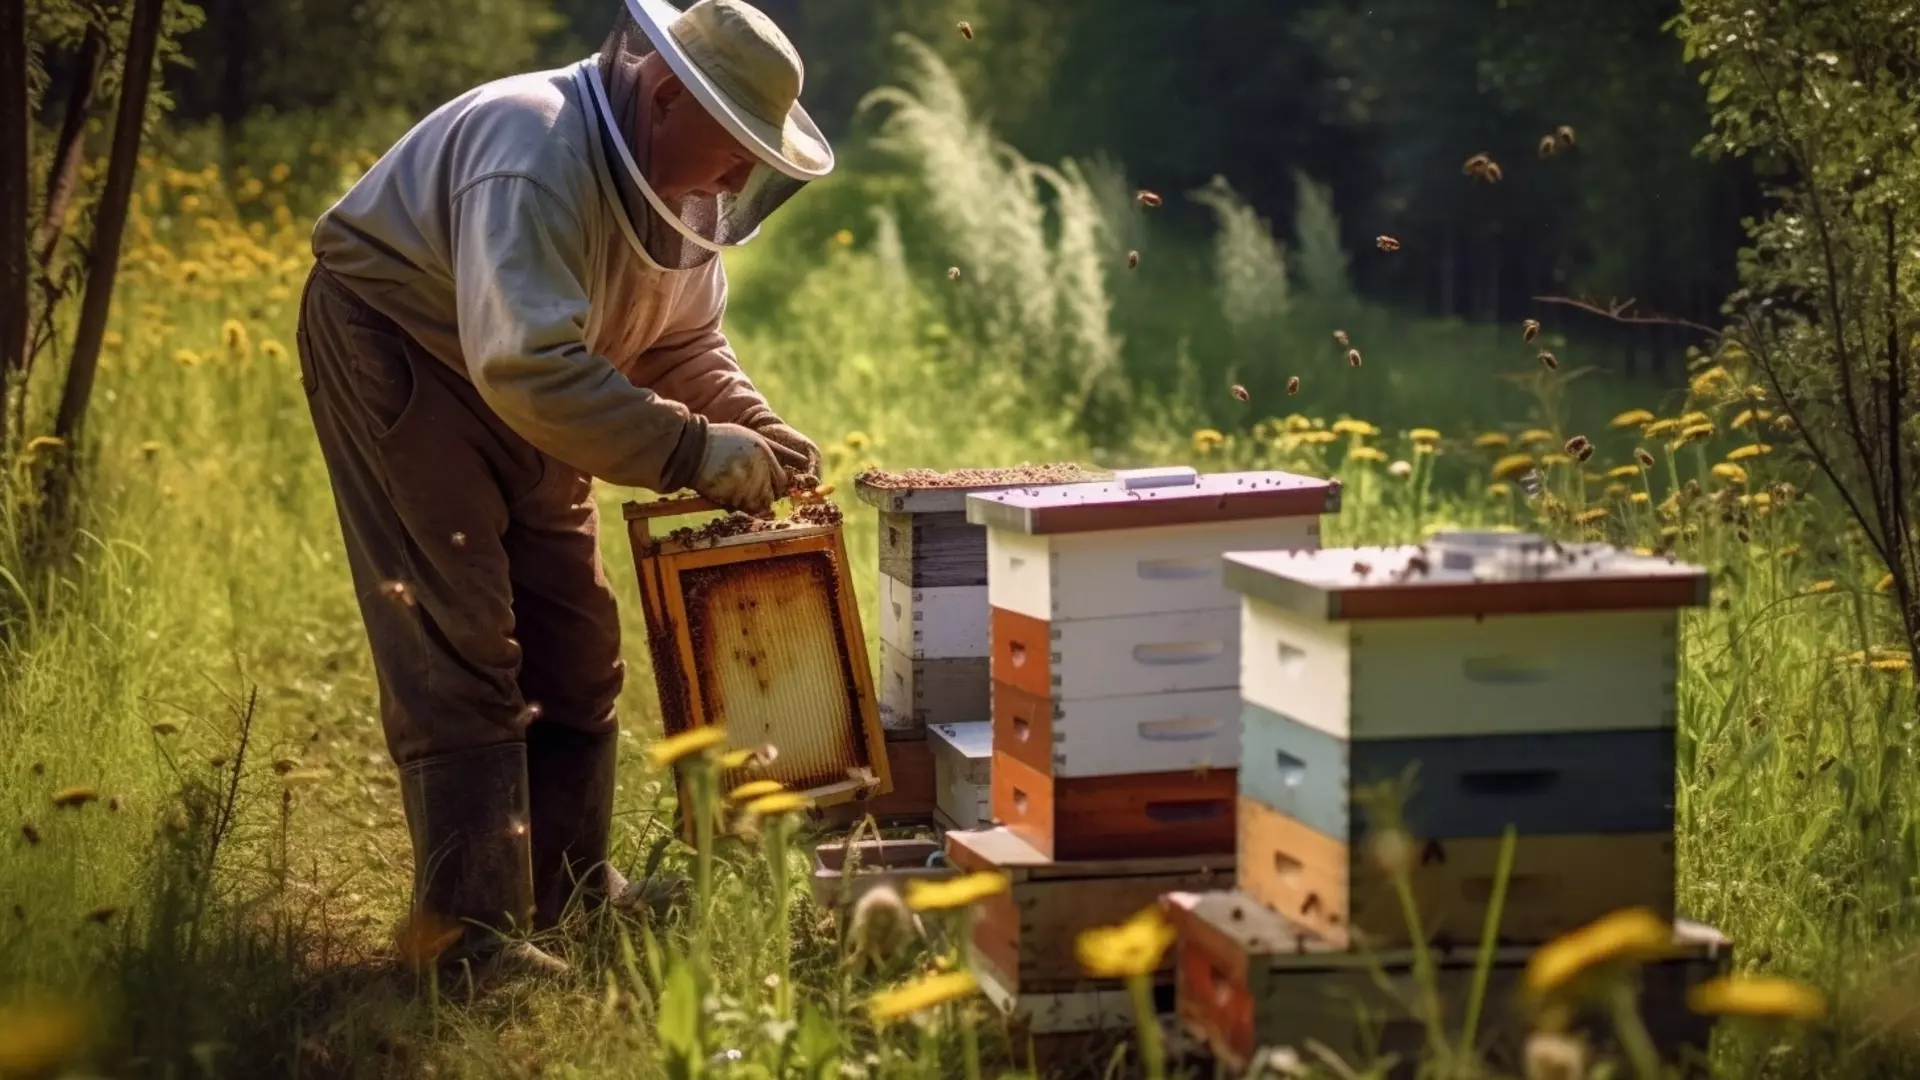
(488, 233)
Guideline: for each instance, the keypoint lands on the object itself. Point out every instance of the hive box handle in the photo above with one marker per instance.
(1138, 479)
(1179, 728)
(1507, 669)
(1292, 770)
(1173, 811)
(1175, 569)
(1509, 782)
(1179, 652)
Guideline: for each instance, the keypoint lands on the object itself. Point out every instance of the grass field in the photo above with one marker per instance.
(225, 907)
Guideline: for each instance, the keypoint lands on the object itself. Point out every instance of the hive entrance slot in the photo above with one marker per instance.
(1180, 811)
(1509, 782)
(1292, 770)
(1288, 868)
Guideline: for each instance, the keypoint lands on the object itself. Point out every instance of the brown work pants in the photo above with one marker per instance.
(475, 555)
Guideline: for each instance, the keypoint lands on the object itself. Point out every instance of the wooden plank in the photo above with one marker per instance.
(933, 624)
(1132, 572)
(915, 693)
(963, 772)
(1235, 997)
(1094, 817)
(1209, 498)
(1000, 848)
(933, 550)
(873, 863)
(1558, 883)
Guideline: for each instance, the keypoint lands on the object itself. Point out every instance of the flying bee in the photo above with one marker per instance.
(1531, 482)
(1477, 164)
(102, 914)
(1386, 243)
(1293, 385)
(398, 592)
(29, 833)
(1492, 173)
(1530, 330)
(1146, 198)
(1645, 459)
(1133, 260)
(1548, 146)
(1340, 338)
(1361, 569)
(1353, 357)
(953, 273)
(1549, 361)
(1564, 133)
(1580, 447)
(965, 28)
(1239, 392)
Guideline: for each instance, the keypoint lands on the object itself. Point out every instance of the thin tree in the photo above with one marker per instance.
(13, 189)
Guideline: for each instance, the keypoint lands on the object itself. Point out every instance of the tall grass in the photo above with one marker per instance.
(256, 861)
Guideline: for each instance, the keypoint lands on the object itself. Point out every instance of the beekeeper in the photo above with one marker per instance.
(523, 294)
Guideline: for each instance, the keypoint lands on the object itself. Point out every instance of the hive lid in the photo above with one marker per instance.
(923, 491)
(1143, 498)
(1458, 574)
(972, 740)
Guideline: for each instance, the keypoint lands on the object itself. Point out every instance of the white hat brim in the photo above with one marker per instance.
(796, 148)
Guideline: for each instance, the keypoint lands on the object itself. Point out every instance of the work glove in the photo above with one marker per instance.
(796, 452)
(739, 470)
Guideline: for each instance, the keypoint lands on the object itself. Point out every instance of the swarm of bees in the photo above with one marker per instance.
(1481, 166)
(1386, 243)
(1239, 392)
(1148, 199)
(965, 28)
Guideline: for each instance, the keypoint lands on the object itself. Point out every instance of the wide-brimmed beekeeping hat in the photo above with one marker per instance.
(742, 69)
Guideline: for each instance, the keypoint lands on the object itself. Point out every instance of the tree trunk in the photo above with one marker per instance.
(143, 40)
(63, 175)
(13, 188)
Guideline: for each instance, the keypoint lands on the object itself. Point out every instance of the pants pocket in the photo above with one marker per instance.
(380, 372)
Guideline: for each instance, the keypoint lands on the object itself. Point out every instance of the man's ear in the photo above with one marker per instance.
(670, 90)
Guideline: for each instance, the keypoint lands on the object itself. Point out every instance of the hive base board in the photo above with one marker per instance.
(1025, 937)
(1071, 1036)
(872, 862)
(1109, 817)
(1556, 884)
(1248, 978)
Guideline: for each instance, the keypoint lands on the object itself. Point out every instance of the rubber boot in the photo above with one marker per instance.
(572, 777)
(467, 813)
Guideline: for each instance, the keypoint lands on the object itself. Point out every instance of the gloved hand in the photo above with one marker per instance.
(739, 471)
(796, 452)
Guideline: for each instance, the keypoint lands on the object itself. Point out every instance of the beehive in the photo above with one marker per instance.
(1248, 977)
(754, 628)
(1115, 652)
(1513, 681)
(962, 774)
(1024, 939)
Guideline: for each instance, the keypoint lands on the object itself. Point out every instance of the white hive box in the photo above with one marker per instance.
(1114, 642)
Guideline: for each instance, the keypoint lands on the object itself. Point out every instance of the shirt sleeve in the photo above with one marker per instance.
(520, 279)
(694, 364)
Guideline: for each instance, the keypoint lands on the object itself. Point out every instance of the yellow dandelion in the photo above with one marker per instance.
(233, 334)
(1761, 499)
(1643, 551)
(1629, 936)
(1590, 516)
(1537, 437)
(1761, 997)
(687, 743)
(1889, 664)
(733, 759)
(44, 442)
(1705, 381)
(1631, 418)
(272, 349)
(1555, 460)
(843, 238)
(1660, 428)
(1512, 465)
(189, 203)
(278, 293)
(1498, 491)
(752, 789)
(959, 892)
(1351, 426)
(1787, 551)
(1366, 453)
(1693, 419)
(1617, 490)
(186, 358)
(1732, 474)
(780, 802)
(1689, 435)
(40, 1039)
(858, 441)
(1318, 438)
(1133, 948)
(113, 339)
(1741, 419)
(920, 995)
(1823, 585)
(1885, 584)
(1424, 435)
(1639, 498)
(1206, 440)
(1752, 450)
(1623, 472)
(1492, 440)
(1296, 422)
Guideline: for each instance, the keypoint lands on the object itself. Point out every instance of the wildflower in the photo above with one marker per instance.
(1643, 551)
(1629, 936)
(1690, 435)
(1623, 472)
(233, 334)
(1423, 435)
(1536, 437)
(272, 349)
(1704, 382)
(920, 995)
(1639, 498)
(1555, 460)
(1643, 457)
(1659, 428)
(843, 238)
(1787, 551)
(1741, 419)
(1400, 470)
(1350, 426)
(189, 203)
(693, 741)
(1296, 422)
(1318, 438)
(113, 339)
(1135, 947)
(1751, 450)
(1512, 465)
(1617, 490)
(74, 797)
(1592, 516)
(1732, 474)
(1889, 664)
(1824, 585)
(40, 1039)
(1498, 491)
(1631, 418)
(186, 358)
(1759, 996)
(1492, 440)
(780, 802)
(44, 442)
(1692, 418)
(923, 895)
(752, 789)
(857, 441)
(1367, 454)
(1206, 440)
(1553, 1055)
(1392, 851)
(1885, 584)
